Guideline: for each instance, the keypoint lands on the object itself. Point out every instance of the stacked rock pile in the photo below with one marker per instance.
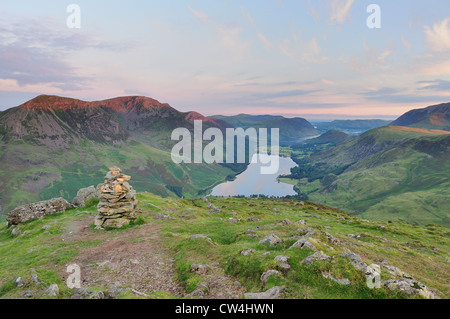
(118, 203)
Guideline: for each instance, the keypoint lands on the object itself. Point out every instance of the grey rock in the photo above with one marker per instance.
(301, 222)
(45, 227)
(114, 291)
(303, 244)
(80, 293)
(84, 194)
(213, 208)
(343, 281)
(265, 276)
(16, 231)
(28, 294)
(355, 260)
(37, 210)
(35, 279)
(197, 293)
(267, 253)
(97, 295)
(285, 222)
(199, 269)
(332, 239)
(271, 240)
(283, 262)
(52, 290)
(19, 282)
(396, 271)
(410, 286)
(272, 293)
(200, 236)
(314, 257)
(247, 252)
(253, 219)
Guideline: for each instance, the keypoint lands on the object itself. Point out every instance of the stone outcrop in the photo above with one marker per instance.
(314, 257)
(303, 244)
(84, 195)
(118, 203)
(271, 240)
(271, 272)
(37, 210)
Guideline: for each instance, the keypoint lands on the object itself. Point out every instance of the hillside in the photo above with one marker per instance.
(51, 146)
(432, 117)
(351, 126)
(334, 137)
(292, 130)
(245, 120)
(218, 248)
(387, 173)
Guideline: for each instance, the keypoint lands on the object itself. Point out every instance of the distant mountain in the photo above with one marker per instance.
(52, 146)
(245, 120)
(292, 130)
(351, 126)
(388, 173)
(333, 137)
(432, 117)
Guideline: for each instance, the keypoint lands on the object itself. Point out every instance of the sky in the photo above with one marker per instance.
(316, 59)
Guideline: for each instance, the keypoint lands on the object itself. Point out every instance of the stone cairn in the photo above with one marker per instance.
(118, 203)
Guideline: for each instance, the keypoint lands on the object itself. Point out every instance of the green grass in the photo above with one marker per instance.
(302, 281)
(407, 181)
(50, 173)
(421, 251)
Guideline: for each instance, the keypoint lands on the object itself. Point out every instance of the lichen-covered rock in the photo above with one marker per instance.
(303, 244)
(314, 257)
(410, 286)
(271, 240)
(247, 252)
(283, 262)
(85, 194)
(356, 261)
(37, 210)
(265, 276)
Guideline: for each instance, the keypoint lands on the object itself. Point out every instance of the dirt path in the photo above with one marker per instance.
(135, 258)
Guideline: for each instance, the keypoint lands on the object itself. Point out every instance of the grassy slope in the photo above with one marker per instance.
(55, 173)
(419, 251)
(402, 183)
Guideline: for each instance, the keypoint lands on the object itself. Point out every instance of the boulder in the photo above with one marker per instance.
(200, 236)
(410, 286)
(283, 262)
(115, 223)
(247, 252)
(52, 291)
(303, 244)
(199, 269)
(265, 276)
(271, 240)
(316, 256)
(84, 194)
(37, 210)
(356, 261)
(343, 281)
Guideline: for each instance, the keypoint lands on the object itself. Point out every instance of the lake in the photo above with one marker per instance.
(252, 182)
